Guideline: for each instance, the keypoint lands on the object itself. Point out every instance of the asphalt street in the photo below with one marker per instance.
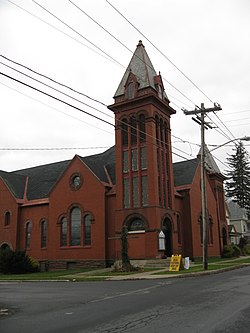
(213, 303)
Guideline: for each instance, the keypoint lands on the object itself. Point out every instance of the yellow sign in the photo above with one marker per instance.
(176, 263)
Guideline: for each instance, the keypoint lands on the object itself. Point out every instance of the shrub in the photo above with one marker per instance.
(247, 249)
(230, 251)
(242, 243)
(227, 251)
(236, 251)
(16, 262)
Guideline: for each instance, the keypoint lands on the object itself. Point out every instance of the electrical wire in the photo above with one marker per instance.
(224, 125)
(241, 111)
(53, 108)
(57, 99)
(82, 11)
(158, 50)
(85, 112)
(51, 25)
(67, 25)
(52, 148)
(218, 129)
(108, 32)
(57, 90)
(53, 80)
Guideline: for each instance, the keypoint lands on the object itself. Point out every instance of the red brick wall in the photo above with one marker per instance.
(8, 234)
(91, 199)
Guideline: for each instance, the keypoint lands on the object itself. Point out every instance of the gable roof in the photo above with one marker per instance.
(211, 165)
(184, 172)
(97, 163)
(235, 211)
(16, 183)
(42, 178)
(141, 66)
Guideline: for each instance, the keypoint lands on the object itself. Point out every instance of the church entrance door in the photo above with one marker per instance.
(167, 229)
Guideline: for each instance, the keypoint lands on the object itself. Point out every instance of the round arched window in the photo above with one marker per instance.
(136, 225)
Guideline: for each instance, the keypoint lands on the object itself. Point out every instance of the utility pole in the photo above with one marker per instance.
(204, 125)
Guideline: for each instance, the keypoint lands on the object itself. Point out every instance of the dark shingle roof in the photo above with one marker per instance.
(16, 183)
(42, 178)
(184, 172)
(97, 163)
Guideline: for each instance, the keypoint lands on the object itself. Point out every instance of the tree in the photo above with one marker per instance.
(125, 259)
(237, 186)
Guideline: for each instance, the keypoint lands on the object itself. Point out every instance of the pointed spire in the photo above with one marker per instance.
(141, 67)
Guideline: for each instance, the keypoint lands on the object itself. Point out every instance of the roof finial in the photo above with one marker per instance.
(140, 43)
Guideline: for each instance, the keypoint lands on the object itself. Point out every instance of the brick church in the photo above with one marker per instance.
(71, 213)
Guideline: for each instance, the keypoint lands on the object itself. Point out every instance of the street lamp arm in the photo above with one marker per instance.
(245, 138)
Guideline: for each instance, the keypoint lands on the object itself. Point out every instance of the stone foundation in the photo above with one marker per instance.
(53, 265)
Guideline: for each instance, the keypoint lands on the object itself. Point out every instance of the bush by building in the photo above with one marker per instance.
(16, 262)
(231, 251)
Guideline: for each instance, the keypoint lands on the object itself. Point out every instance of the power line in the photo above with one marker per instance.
(158, 50)
(82, 11)
(241, 111)
(19, 64)
(229, 121)
(68, 104)
(108, 32)
(224, 125)
(218, 129)
(51, 107)
(51, 25)
(67, 25)
(52, 148)
(239, 125)
(63, 92)
(53, 80)
(56, 98)
(57, 90)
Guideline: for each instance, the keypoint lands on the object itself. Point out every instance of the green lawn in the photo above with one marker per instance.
(93, 275)
(53, 275)
(213, 264)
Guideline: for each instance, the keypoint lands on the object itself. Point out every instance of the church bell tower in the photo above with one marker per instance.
(144, 173)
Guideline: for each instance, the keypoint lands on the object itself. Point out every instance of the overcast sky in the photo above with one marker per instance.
(208, 40)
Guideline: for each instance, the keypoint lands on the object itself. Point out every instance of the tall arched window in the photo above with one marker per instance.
(142, 128)
(157, 128)
(75, 223)
(63, 232)
(87, 229)
(43, 234)
(124, 132)
(165, 133)
(133, 130)
(161, 131)
(7, 218)
(27, 235)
